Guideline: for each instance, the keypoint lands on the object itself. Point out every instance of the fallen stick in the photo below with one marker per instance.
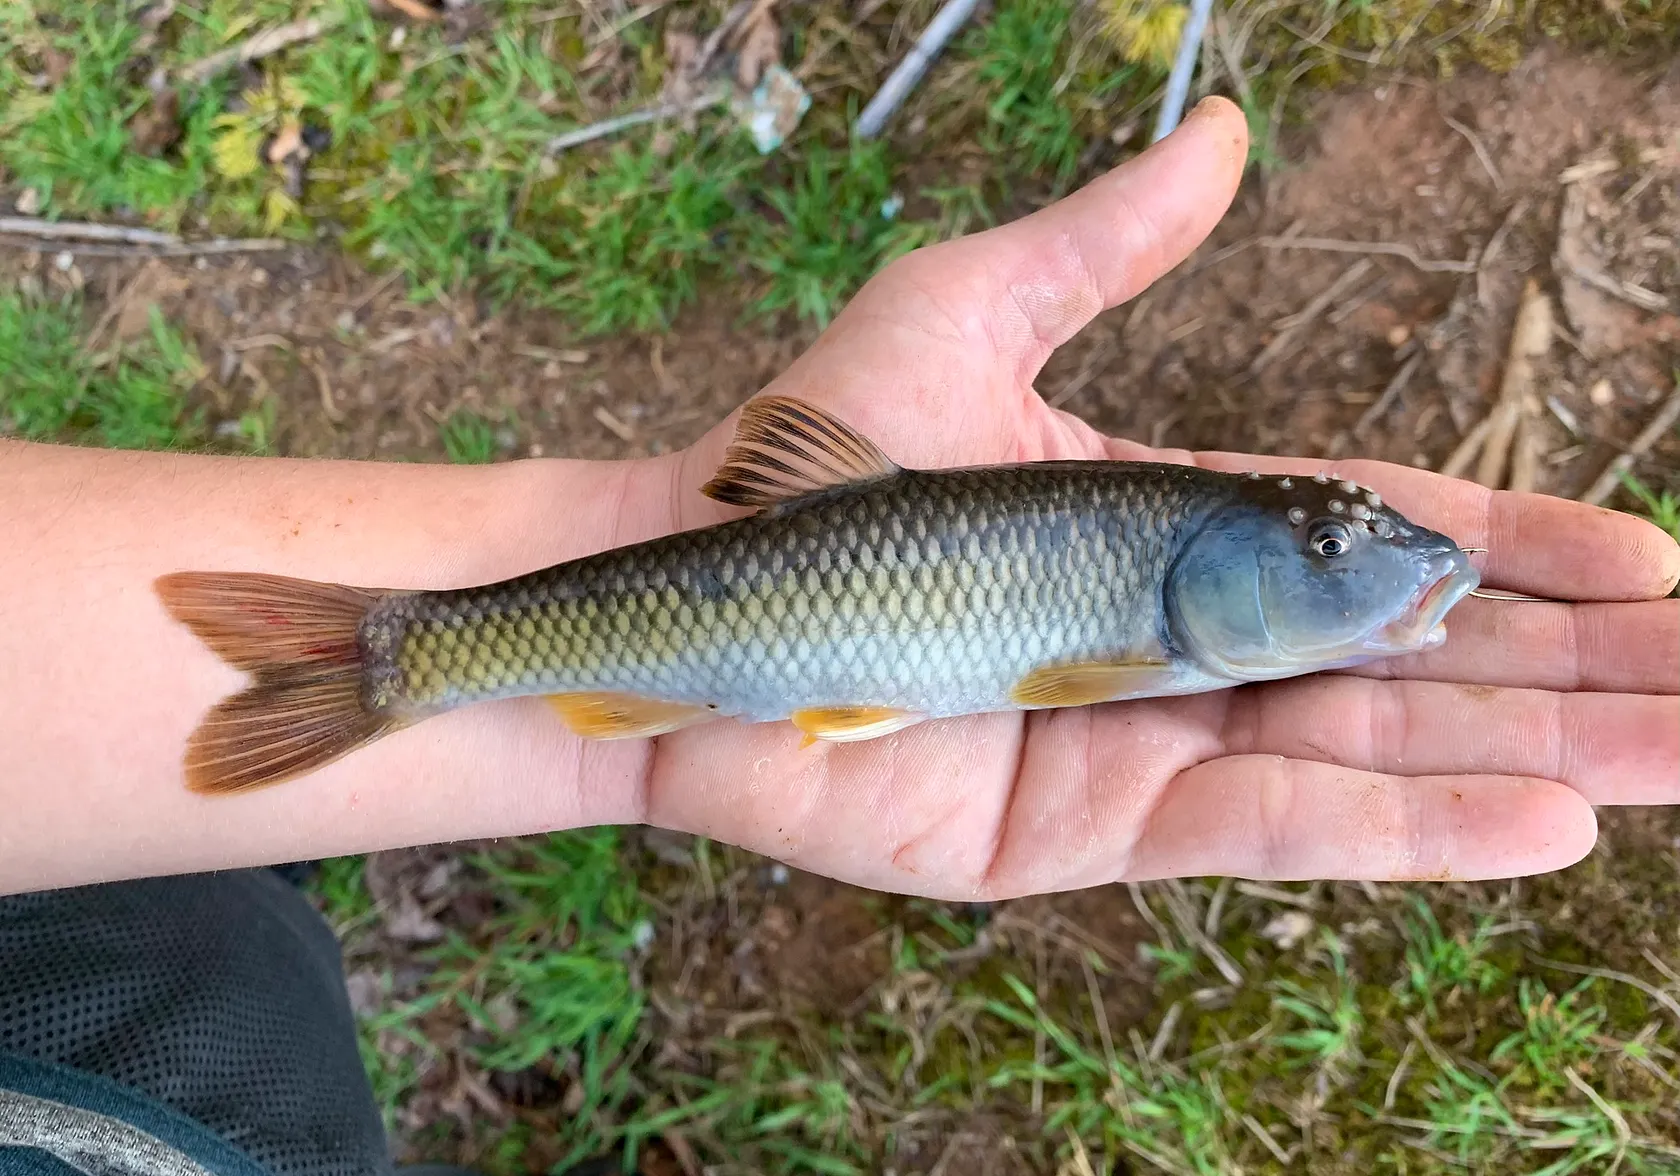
(1293, 326)
(1611, 478)
(253, 47)
(1531, 338)
(118, 247)
(903, 80)
(1465, 452)
(1387, 248)
(611, 126)
(1389, 394)
(46, 230)
(1525, 452)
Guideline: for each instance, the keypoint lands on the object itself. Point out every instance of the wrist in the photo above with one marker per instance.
(109, 687)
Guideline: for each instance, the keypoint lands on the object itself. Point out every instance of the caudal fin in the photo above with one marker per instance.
(299, 640)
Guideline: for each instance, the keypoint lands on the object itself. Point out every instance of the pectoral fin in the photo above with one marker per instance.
(601, 715)
(848, 724)
(1087, 683)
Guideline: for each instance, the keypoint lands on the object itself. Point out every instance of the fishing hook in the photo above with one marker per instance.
(1481, 595)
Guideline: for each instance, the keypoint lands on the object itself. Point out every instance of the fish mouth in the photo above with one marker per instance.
(1419, 626)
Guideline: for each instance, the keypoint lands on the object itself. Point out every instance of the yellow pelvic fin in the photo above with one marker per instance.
(1085, 683)
(603, 715)
(848, 724)
(784, 448)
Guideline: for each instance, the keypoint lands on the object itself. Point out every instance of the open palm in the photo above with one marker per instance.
(1483, 758)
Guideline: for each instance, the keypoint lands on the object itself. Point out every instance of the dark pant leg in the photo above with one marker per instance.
(220, 995)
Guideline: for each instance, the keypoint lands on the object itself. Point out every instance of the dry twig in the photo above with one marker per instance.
(1295, 323)
(251, 48)
(611, 126)
(1479, 148)
(123, 240)
(1390, 394)
(1531, 338)
(1611, 478)
(1386, 248)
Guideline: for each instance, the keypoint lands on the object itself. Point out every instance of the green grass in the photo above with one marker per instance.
(468, 439)
(129, 397)
(437, 164)
(546, 981)
(1661, 507)
(1501, 1068)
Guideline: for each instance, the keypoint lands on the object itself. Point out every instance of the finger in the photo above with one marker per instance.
(1610, 748)
(1537, 543)
(1617, 648)
(1285, 819)
(916, 813)
(1038, 280)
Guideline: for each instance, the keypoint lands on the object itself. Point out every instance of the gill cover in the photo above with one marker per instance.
(1296, 575)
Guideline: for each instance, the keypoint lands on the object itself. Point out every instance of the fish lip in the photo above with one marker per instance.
(1419, 626)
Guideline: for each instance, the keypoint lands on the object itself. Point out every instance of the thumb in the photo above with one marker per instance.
(1037, 281)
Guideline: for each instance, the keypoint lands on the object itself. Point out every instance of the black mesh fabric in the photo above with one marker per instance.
(220, 995)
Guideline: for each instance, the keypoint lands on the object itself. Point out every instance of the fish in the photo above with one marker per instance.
(854, 599)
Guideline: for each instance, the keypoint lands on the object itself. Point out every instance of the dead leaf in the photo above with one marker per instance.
(57, 64)
(761, 47)
(367, 991)
(285, 144)
(157, 125)
(408, 923)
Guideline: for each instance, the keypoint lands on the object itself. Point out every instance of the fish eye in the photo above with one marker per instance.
(1330, 538)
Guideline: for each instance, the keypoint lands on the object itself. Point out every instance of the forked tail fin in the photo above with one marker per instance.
(299, 640)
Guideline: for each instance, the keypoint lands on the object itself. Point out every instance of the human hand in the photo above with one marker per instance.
(1482, 758)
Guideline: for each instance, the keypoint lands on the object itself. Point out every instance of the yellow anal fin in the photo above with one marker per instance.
(604, 715)
(1087, 683)
(849, 724)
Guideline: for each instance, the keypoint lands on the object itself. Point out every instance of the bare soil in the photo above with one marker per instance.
(1237, 349)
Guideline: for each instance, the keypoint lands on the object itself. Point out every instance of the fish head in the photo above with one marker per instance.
(1297, 574)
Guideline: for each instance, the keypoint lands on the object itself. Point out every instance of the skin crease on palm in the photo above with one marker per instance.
(1484, 758)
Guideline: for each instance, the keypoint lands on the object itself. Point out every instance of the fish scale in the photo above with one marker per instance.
(931, 591)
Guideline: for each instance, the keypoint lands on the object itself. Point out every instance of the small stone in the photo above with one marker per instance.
(1601, 393)
(64, 261)
(259, 277)
(29, 202)
(1288, 929)
(1398, 335)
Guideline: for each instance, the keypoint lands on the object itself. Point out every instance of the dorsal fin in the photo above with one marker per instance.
(784, 448)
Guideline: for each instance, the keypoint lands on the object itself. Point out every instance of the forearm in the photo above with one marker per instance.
(102, 688)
